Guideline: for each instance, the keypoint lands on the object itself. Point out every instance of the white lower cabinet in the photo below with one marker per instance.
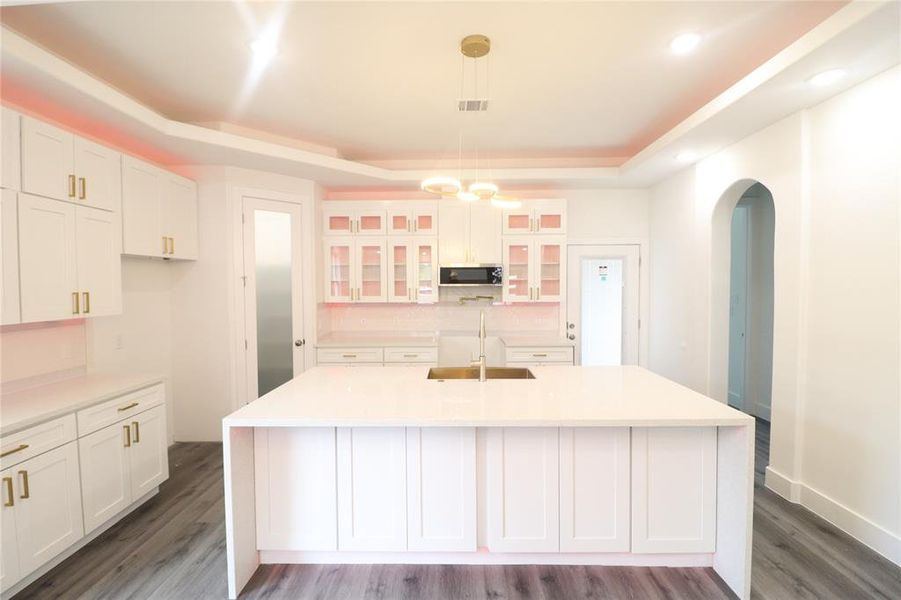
(122, 462)
(296, 488)
(441, 489)
(42, 500)
(10, 572)
(523, 492)
(673, 489)
(372, 488)
(594, 489)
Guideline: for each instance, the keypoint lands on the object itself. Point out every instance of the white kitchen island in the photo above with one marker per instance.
(581, 465)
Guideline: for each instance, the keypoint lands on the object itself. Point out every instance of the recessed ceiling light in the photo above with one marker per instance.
(685, 43)
(264, 48)
(686, 156)
(826, 77)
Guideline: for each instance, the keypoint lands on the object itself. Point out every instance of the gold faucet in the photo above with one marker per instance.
(483, 368)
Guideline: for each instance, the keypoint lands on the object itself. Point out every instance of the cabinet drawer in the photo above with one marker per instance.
(109, 412)
(24, 444)
(349, 355)
(411, 355)
(543, 355)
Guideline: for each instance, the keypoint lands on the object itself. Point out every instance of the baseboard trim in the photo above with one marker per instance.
(81, 543)
(483, 557)
(854, 524)
(782, 485)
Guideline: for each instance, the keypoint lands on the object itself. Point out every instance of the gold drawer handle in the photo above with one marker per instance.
(25, 493)
(14, 450)
(137, 431)
(539, 355)
(348, 356)
(10, 496)
(127, 436)
(84, 188)
(132, 405)
(75, 308)
(411, 355)
(87, 302)
(71, 186)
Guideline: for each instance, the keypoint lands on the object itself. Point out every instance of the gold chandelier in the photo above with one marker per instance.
(472, 46)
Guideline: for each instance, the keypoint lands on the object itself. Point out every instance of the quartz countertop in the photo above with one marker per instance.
(31, 406)
(375, 340)
(558, 396)
(535, 339)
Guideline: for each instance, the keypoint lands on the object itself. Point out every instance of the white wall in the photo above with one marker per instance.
(833, 173)
(607, 213)
(206, 316)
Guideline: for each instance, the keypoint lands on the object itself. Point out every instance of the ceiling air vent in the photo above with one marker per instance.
(472, 105)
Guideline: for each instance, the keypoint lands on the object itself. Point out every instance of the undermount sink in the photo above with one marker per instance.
(442, 373)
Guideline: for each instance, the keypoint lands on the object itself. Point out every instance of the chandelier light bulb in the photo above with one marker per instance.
(483, 189)
(466, 196)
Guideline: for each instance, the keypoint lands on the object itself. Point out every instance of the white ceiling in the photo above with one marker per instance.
(378, 80)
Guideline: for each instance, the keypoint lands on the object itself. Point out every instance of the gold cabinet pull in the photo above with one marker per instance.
(348, 356)
(10, 497)
(14, 450)
(127, 436)
(83, 191)
(75, 308)
(409, 294)
(87, 302)
(127, 406)
(25, 493)
(137, 432)
(171, 245)
(539, 355)
(165, 245)
(71, 186)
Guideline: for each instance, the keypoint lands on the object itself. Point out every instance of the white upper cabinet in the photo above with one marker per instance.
(536, 216)
(534, 268)
(98, 175)
(10, 166)
(348, 219)
(99, 261)
(48, 160)
(9, 258)
(413, 270)
(356, 269)
(180, 216)
(469, 233)
(57, 164)
(372, 270)
(47, 259)
(415, 219)
(69, 260)
(159, 212)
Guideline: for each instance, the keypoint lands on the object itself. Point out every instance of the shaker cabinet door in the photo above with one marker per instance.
(105, 482)
(99, 261)
(148, 454)
(48, 167)
(98, 170)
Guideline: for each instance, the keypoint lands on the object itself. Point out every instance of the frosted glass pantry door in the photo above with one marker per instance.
(372, 271)
(273, 294)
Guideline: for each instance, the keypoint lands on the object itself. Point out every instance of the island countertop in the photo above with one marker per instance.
(561, 396)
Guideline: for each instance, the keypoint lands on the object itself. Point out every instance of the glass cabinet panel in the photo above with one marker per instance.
(550, 217)
(517, 220)
(399, 287)
(337, 222)
(426, 272)
(518, 286)
(550, 271)
(371, 286)
(425, 221)
(339, 276)
(399, 222)
(371, 222)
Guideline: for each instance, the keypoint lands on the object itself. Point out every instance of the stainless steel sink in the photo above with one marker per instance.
(443, 373)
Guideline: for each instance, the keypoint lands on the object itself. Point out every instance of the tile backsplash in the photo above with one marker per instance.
(444, 317)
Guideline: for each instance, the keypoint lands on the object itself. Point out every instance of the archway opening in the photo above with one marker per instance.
(744, 230)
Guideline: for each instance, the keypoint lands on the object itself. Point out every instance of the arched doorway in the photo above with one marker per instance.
(742, 309)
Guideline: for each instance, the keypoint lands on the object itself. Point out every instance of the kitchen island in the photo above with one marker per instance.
(580, 465)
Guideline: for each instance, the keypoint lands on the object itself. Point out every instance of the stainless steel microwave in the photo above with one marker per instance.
(465, 275)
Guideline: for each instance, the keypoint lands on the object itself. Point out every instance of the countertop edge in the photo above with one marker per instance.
(655, 422)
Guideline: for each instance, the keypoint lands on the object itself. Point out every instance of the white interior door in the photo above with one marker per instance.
(602, 303)
(273, 293)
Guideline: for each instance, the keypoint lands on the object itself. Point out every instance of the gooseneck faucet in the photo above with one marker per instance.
(481, 362)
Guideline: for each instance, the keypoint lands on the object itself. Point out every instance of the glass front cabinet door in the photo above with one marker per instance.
(549, 268)
(400, 288)
(518, 285)
(371, 284)
(339, 272)
(425, 270)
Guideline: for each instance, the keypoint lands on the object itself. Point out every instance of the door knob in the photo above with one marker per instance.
(570, 325)
(299, 342)
(571, 336)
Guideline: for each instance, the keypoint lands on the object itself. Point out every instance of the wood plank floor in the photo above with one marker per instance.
(173, 548)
